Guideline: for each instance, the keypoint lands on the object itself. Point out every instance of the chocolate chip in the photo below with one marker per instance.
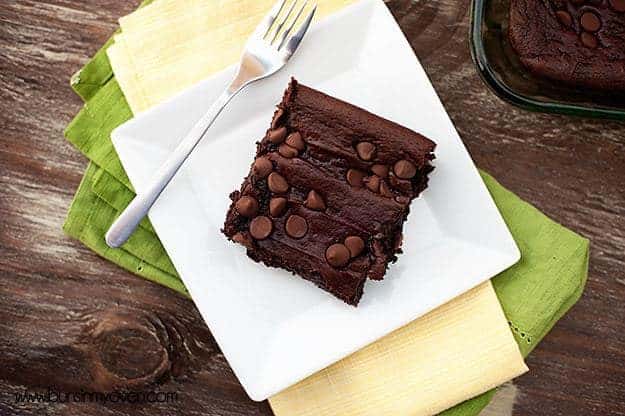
(277, 206)
(618, 5)
(277, 136)
(296, 226)
(262, 167)
(242, 239)
(373, 184)
(365, 150)
(247, 206)
(261, 227)
(564, 18)
(295, 140)
(238, 237)
(315, 201)
(400, 185)
(337, 255)
(385, 190)
(287, 151)
(380, 170)
(355, 245)
(277, 183)
(589, 40)
(354, 177)
(590, 22)
(405, 169)
(277, 118)
(404, 200)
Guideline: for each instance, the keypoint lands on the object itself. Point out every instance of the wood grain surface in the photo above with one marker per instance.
(71, 320)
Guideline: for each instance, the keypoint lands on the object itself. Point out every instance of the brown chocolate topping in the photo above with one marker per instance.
(399, 239)
(300, 235)
(575, 42)
(618, 5)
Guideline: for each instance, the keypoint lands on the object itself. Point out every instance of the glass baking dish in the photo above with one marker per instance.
(499, 67)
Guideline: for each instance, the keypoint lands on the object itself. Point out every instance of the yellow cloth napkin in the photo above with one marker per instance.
(420, 369)
(172, 44)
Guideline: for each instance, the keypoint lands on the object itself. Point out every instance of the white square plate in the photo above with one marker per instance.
(276, 329)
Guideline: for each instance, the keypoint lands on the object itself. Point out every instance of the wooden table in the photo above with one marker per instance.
(71, 320)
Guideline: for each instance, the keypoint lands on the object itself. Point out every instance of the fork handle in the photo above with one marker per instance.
(126, 223)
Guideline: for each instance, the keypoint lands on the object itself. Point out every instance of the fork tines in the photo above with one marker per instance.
(275, 24)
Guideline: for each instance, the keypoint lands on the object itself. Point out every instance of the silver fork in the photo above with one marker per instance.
(266, 52)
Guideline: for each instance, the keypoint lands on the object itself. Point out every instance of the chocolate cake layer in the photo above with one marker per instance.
(578, 42)
(329, 191)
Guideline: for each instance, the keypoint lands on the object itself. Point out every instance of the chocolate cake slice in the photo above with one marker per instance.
(577, 42)
(329, 191)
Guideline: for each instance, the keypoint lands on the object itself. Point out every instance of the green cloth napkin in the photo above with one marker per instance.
(534, 293)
